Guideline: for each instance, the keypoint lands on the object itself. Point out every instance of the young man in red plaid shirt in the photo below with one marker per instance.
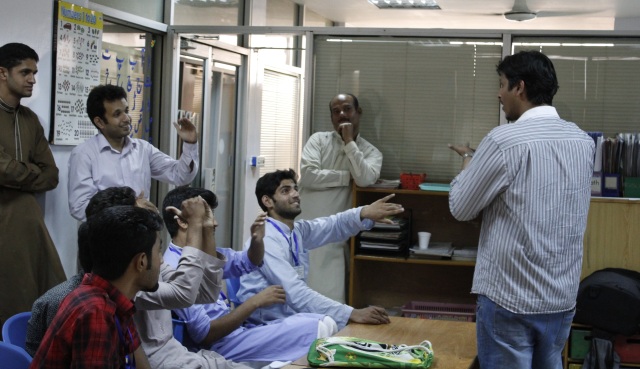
(94, 326)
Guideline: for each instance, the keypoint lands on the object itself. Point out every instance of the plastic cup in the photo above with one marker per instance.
(423, 240)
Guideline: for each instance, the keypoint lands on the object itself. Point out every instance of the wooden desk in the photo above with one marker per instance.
(454, 343)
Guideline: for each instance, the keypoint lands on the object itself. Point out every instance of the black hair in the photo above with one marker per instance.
(14, 53)
(536, 71)
(100, 94)
(356, 103)
(109, 197)
(119, 233)
(269, 183)
(175, 198)
(84, 251)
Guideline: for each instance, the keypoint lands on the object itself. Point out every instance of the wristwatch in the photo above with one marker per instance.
(467, 155)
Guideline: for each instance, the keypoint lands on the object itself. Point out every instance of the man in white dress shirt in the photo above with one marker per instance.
(113, 159)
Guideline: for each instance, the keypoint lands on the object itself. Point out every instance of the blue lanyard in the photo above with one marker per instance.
(129, 359)
(296, 261)
(178, 252)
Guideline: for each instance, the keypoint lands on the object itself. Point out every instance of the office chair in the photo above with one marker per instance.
(13, 357)
(233, 285)
(14, 330)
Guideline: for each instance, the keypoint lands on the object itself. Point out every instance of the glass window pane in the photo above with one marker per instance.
(417, 95)
(280, 121)
(150, 9)
(598, 80)
(207, 12)
(127, 61)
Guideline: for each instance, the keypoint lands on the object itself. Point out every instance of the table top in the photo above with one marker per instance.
(454, 343)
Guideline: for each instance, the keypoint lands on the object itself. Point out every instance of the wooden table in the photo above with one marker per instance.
(454, 343)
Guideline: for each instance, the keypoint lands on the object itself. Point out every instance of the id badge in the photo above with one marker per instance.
(300, 270)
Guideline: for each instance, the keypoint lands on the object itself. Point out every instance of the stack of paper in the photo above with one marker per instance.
(465, 253)
(436, 250)
(386, 237)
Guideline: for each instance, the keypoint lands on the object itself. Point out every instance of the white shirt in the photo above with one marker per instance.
(286, 263)
(94, 165)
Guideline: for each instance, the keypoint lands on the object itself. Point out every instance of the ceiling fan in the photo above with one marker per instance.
(520, 12)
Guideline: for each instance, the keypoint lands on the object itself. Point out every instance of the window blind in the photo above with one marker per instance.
(279, 132)
(417, 95)
(598, 80)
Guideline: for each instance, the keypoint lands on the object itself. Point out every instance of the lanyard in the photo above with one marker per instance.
(178, 252)
(129, 359)
(296, 261)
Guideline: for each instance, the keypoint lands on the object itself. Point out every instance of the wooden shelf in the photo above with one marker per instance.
(398, 259)
(610, 240)
(393, 281)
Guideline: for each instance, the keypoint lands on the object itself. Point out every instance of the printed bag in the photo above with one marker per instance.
(358, 352)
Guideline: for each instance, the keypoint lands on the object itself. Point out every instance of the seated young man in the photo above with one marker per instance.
(196, 280)
(94, 324)
(215, 326)
(46, 306)
(286, 252)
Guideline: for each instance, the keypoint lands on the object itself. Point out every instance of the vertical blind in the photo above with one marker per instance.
(279, 132)
(598, 78)
(417, 95)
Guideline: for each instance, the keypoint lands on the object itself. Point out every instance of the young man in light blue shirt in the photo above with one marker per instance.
(287, 244)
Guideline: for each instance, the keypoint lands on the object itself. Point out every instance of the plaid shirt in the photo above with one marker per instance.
(84, 335)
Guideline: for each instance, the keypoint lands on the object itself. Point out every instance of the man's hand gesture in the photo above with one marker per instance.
(378, 211)
(186, 130)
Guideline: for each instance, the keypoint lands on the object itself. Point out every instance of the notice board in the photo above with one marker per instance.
(76, 59)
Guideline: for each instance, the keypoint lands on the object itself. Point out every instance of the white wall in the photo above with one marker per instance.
(31, 22)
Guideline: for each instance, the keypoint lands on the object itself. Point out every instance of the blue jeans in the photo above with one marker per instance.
(520, 341)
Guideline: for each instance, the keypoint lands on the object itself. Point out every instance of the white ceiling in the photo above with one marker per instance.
(486, 14)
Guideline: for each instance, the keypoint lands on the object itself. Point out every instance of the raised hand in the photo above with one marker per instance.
(381, 209)
(258, 226)
(256, 249)
(186, 130)
(141, 202)
(193, 210)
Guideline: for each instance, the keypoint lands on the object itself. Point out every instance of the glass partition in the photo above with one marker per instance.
(598, 80)
(417, 95)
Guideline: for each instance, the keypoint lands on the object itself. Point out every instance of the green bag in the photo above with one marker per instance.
(358, 352)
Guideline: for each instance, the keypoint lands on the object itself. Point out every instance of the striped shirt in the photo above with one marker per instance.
(531, 180)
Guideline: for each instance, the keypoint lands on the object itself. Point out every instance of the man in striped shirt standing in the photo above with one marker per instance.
(531, 180)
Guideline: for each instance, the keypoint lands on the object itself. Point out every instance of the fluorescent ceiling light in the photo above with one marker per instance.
(406, 4)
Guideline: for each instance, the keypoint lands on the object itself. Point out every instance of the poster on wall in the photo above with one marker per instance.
(77, 48)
